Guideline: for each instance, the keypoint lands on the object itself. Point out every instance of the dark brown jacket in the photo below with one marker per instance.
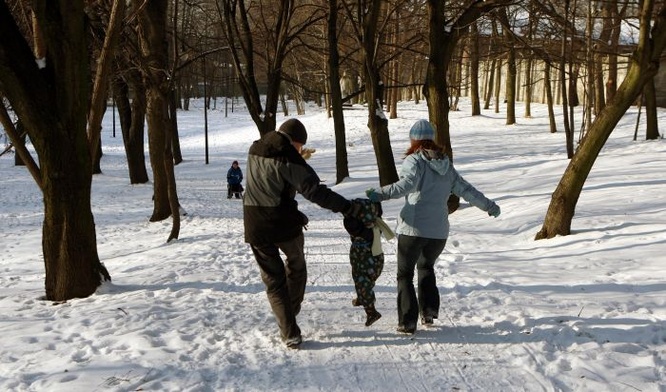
(275, 172)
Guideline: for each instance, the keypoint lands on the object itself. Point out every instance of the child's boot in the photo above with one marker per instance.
(372, 315)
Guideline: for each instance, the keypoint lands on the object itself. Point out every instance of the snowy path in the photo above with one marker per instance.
(578, 313)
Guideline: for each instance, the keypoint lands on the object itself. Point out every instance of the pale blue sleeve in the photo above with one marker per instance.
(407, 183)
(465, 190)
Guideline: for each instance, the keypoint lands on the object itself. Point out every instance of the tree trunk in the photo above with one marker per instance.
(377, 121)
(651, 119)
(132, 117)
(474, 69)
(441, 45)
(568, 132)
(490, 85)
(173, 128)
(154, 50)
(643, 67)
(498, 85)
(56, 124)
(549, 97)
(443, 38)
(101, 83)
(341, 163)
(511, 69)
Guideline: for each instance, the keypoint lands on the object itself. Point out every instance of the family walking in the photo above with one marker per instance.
(276, 171)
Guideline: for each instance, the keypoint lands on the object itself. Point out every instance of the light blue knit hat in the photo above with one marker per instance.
(422, 130)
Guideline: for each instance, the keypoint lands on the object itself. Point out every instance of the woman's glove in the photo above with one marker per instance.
(373, 195)
(494, 211)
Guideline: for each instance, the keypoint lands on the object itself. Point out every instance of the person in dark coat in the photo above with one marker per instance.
(234, 181)
(276, 171)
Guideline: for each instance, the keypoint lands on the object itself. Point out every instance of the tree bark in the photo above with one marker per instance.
(56, 124)
(377, 121)
(341, 163)
(154, 50)
(132, 117)
(651, 120)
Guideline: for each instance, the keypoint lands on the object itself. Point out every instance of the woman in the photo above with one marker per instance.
(427, 178)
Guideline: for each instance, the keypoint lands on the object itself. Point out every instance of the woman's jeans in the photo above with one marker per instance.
(421, 253)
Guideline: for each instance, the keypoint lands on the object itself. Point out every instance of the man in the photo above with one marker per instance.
(275, 172)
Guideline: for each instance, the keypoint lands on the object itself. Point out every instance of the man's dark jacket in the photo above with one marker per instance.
(275, 172)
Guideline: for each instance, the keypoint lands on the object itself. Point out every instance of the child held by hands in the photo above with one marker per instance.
(366, 255)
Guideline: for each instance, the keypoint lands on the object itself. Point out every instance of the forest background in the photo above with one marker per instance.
(61, 61)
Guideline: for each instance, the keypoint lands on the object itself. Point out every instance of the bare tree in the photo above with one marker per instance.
(474, 69)
(154, 50)
(341, 163)
(445, 31)
(644, 64)
(50, 96)
(101, 80)
(263, 32)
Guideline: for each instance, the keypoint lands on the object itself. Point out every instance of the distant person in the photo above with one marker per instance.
(234, 181)
(427, 178)
(276, 171)
(366, 255)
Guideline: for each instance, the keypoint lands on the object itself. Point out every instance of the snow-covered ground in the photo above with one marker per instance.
(583, 312)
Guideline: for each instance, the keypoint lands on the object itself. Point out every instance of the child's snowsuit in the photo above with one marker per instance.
(365, 255)
(234, 179)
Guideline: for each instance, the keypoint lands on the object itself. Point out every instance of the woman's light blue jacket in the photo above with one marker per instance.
(427, 178)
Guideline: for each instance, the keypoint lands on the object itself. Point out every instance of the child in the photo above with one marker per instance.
(234, 178)
(365, 255)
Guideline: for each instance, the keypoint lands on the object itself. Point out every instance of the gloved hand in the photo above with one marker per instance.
(494, 211)
(373, 195)
(354, 209)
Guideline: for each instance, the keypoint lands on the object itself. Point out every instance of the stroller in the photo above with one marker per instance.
(235, 190)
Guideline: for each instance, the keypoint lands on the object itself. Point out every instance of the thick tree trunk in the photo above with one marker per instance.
(154, 49)
(132, 117)
(441, 45)
(56, 124)
(156, 116)
(73, 269)
(443, 38)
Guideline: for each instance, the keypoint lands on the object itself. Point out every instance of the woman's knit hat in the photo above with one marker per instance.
(295, 130)
(422, 130)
